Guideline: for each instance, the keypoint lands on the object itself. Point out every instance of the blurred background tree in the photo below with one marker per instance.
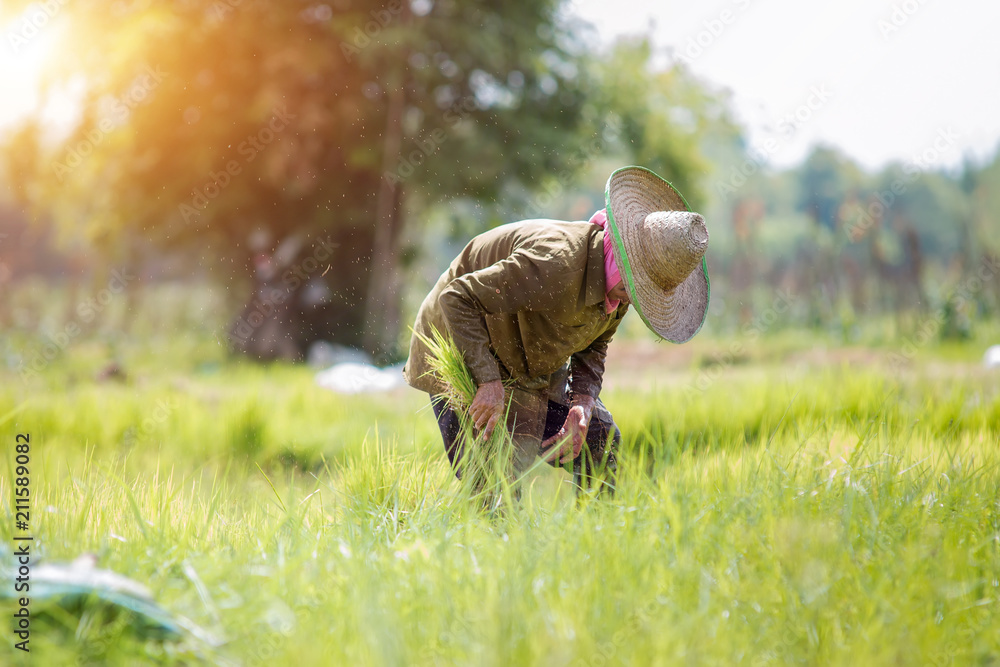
(229, 139)
(204, 121)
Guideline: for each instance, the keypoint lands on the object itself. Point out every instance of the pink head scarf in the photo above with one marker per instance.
(611, 274)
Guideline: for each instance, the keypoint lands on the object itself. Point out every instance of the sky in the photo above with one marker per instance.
(881, 80)
(899, 81)
(23, 54)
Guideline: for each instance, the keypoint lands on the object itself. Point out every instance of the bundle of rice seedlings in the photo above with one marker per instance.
(486, 464)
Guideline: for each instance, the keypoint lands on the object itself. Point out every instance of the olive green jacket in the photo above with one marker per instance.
(519, 301)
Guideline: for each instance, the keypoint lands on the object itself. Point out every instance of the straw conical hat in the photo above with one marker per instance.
(660, 246)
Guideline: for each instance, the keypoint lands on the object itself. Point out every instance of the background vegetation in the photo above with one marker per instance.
(792, 508)
(210, 133)
(812, 480)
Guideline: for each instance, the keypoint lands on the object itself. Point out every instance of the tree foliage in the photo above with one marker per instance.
(203, 120)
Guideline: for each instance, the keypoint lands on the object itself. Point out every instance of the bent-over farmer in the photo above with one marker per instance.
(534, 304)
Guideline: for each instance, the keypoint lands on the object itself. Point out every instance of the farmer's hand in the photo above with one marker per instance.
(487, 406)
(574, 429)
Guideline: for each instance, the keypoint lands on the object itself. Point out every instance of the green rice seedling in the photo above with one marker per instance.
(780, 514)
(486, 464)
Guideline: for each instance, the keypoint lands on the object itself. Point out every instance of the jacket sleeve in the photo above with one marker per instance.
(587, 366)
(529, 279)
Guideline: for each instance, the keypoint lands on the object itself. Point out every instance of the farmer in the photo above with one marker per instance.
(532, 306)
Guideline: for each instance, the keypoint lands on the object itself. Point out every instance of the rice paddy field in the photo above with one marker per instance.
(799, 503)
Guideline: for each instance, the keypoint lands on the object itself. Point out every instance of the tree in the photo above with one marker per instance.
(667, 118)
(825, 180)
(205, 120)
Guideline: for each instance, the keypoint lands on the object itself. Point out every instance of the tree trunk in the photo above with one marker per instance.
(382, 305)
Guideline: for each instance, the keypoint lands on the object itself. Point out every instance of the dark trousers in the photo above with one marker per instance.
(597, 463)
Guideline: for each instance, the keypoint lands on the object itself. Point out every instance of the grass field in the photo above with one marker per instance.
(791, 507)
